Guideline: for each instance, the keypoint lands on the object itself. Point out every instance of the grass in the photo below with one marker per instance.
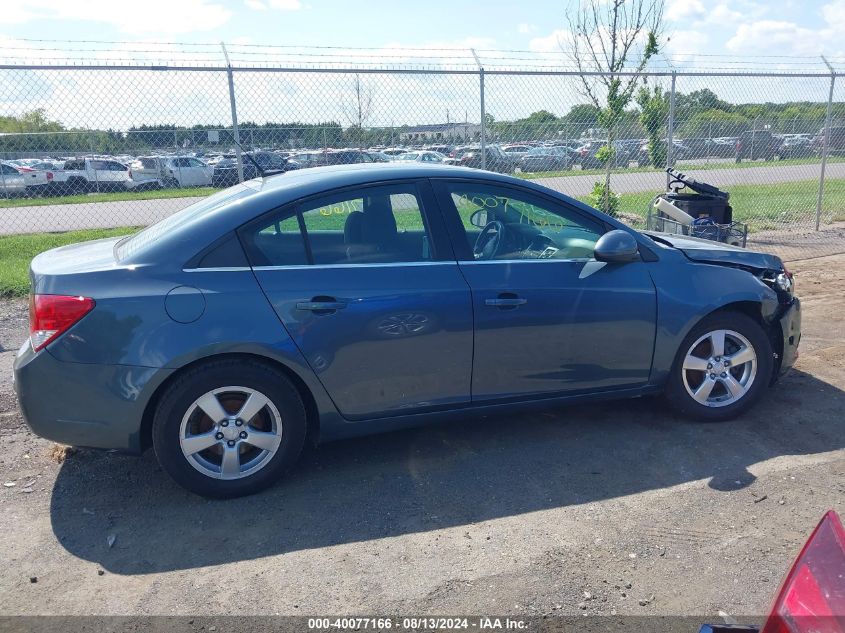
(16, 251)
(761, 206)
(765, 207)
(683, 167)
(112, 196)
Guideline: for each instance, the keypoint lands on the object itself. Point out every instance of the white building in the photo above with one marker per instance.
(441, 131)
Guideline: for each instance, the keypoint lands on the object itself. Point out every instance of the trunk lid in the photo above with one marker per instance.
(83, 257)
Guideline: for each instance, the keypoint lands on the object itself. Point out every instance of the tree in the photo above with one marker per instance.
(359, 108)
(714, 123)
(654, 108)
(612, 37)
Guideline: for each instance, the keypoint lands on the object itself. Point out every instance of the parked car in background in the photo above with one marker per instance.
(494, 159)
(337, 301)
(546, 159)
(835, 144)
(226, 171)
(393, 152)
(172, 171)
(16, 180)
(587, 154)
(757, 144)
(422, 156)
(795, 146)
(699, 147)
(643, 158)
(516, 151)
(85, 175)
(378, 157)
(308, 159)
(440, 149)
(724, 147)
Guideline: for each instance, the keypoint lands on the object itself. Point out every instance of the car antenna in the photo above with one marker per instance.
(261, 171)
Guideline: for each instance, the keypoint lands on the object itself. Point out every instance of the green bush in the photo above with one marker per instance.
(603, 199)
(604, 154)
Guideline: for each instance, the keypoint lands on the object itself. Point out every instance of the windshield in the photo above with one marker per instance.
(133, 244)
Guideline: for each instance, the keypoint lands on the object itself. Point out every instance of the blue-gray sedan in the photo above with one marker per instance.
(340, 301)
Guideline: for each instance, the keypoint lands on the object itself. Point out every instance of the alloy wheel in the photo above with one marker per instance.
(230, 432)
(719, 368)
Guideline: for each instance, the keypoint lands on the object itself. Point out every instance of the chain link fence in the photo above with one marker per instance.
(99, 145)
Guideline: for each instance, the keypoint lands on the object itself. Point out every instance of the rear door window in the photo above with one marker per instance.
(383, 224)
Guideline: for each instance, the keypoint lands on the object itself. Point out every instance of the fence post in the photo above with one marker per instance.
(825, 143)
(670, 130)
(483, 111)
(234, 113)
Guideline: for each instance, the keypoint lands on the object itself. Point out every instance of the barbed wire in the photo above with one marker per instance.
(27, 52)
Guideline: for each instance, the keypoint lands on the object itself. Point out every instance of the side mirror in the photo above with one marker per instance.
(616, 247)
(480, 218)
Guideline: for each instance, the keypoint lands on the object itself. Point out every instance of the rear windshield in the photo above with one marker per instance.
(134, 244)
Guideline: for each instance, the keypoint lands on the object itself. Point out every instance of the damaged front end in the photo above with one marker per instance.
(784, 324)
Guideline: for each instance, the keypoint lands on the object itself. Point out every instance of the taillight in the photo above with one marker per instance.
(52, 315)
(49, 176)
(812, 596)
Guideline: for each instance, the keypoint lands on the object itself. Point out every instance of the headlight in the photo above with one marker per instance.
(784, 282)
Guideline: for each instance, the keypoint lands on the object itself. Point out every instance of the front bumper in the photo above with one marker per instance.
(96, 406)
(790, 324)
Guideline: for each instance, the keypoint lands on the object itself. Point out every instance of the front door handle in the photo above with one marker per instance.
(321, 305)
(506, 300)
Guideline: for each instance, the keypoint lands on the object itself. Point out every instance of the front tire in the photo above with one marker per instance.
(229, 428)
(722, 368)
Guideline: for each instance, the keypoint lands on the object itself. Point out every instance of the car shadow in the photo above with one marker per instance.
(430, 478)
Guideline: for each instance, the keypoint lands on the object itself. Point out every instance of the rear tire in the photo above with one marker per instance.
(221, 455)
(701, 387)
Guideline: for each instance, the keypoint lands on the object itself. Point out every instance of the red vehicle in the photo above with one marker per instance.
(811, 598)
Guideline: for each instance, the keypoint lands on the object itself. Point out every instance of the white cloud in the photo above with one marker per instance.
(553, 42)
(834, 15)
(780, 36)
(525, 28)
(184, 16)
(684, 45)
(684, 10)
(255, 5)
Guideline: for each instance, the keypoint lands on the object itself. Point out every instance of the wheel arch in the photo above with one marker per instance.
(755, 311)
(312, 415)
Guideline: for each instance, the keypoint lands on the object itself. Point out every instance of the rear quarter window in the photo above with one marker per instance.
(139, 242)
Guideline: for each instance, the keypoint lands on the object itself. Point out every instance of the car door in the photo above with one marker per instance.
(549, 319)
(11, 180)
(202, 172)
(365, 282)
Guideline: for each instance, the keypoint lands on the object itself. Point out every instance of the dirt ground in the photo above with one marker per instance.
(616, 508)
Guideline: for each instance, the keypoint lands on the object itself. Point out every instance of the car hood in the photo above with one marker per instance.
(701, 250)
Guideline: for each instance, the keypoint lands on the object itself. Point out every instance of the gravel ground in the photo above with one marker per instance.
(611, 508)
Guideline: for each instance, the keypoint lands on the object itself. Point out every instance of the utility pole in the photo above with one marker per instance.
(234, 114)
(825, 143)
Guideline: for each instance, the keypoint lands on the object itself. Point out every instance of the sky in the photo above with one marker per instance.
(698, 34)
(735, 27)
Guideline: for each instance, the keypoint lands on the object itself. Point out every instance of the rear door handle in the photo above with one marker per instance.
(319, 304)
(506, 300)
